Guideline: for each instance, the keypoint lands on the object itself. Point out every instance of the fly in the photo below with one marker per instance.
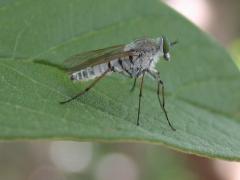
(133, 60)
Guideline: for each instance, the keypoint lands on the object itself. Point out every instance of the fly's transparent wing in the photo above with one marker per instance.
(83, 57)
(95, 57)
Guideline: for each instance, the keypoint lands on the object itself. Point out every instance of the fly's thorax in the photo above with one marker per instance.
(145, 45)
(150, 58)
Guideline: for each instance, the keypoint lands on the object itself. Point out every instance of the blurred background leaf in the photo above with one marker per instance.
(202, 82)
(74, 160)
(235, 50)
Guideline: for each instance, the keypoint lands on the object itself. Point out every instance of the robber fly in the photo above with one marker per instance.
(133, 60)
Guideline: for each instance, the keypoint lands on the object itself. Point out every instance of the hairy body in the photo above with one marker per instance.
(145, 55)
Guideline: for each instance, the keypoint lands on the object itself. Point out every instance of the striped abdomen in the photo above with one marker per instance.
(89, 72)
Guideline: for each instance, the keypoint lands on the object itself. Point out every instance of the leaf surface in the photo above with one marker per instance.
(202, 83)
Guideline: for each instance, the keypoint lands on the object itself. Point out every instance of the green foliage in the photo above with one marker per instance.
(202, 82)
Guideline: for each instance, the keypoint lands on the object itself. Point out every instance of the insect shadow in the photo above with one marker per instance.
(48, 63)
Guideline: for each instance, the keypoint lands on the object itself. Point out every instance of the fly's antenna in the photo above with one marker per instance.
(173, 43)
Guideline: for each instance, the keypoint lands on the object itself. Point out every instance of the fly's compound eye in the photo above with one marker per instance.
(166, 47)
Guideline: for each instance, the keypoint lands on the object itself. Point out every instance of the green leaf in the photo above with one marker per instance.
(202, 82)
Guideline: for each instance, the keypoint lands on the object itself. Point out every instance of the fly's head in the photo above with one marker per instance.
(166, 46)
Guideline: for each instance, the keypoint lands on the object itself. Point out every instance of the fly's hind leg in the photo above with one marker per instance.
(156, 76)
(87, 88)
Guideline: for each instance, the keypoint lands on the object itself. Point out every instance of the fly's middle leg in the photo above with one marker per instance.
(134, 85)
(140, 97)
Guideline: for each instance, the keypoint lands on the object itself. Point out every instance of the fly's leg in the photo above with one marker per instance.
(156, 76)
(140, 97)
(136, 77)
(160, 83)
(87, 88)
(134, 84)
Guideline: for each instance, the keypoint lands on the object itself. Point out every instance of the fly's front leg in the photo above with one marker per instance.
(156, 76)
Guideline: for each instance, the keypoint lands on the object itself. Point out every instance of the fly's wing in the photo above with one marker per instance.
(93, 58)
